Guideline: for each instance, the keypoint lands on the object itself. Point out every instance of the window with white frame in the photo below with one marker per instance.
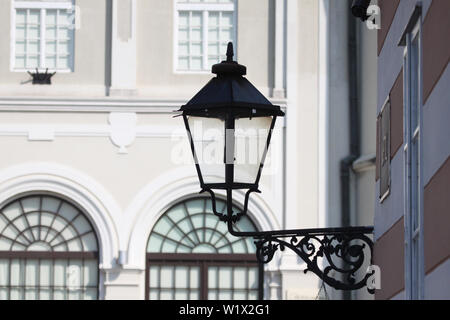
(413, 184)
(42, 35)
(203, 30)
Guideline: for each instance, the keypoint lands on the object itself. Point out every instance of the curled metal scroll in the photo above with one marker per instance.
(223, 216)
(344, 253)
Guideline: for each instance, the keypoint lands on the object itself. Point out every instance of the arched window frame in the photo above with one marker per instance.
(51, 255)
(202, 260)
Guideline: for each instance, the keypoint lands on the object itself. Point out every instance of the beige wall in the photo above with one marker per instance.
(89, 59)
(155, 30)
(307, 112)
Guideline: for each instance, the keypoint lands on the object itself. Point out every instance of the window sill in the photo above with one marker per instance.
(43, 70)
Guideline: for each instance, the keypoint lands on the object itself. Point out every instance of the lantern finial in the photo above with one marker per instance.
(230, 52)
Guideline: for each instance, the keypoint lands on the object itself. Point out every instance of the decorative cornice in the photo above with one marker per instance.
(104, 104)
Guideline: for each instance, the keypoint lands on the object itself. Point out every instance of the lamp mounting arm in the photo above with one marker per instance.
(338, 256)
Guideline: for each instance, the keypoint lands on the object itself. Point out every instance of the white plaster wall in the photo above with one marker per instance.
(90, 65)
(156, 76)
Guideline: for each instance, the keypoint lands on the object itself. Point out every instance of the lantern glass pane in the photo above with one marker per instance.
(208, 135)
(250, 144)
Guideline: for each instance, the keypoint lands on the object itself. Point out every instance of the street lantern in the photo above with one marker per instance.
(229, 125)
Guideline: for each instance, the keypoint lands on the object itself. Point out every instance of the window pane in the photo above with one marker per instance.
(17, 294)
(153, 294)
(213, 49)
(33, 32)
(68, 212)
(89, 242)
(154, 277)
(196, 34)
(196, 19)
(181, 294)
(21, 16)
(20, 32)
(183, 49)
(253, 295)
(63, 33)
(50, 17)
(91, 294)
(81, 224)
(64, 18)
(240, 295)
(183, 18)
(213, 19)
(31, 272)
(32, 61)
(20, 47)
(212, 277)
(50, 32)
(167, 277)
(226, 34)
(166, 294)
(154, 244)
(225, 277)
(181, 277)
(45, 272)
(183, 63)
(196, 49)
(183, 34)
(169, 246)
(253, 278)
(213, 34)
(59, 276)
(194, 277)
(240, 278)
(34, 16)
(4, 272)
(20, 62)
(225, 294)
(226, 19)
(195, 295)
(45, 294)
(90, 276)
(212, 61)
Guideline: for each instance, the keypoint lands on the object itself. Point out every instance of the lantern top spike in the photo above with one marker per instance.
(229, 67)
(230, 52)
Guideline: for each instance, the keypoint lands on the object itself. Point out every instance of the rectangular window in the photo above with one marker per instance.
(412, 156)
(384, 140)
(203, 30)
(42, 35)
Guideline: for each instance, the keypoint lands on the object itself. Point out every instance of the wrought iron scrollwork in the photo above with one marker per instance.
(342, 251)
(339, 256)
(224, 216)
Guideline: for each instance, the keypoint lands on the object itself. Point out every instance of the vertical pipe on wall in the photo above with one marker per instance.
(347, 162)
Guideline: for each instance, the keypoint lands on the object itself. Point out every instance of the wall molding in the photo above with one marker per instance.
(104, 104)
(87, 194)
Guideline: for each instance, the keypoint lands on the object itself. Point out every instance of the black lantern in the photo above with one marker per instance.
(229, 124)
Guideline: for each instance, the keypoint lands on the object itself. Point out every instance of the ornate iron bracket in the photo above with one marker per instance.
(343, 252)
(338, 256)
(223, 216)
(41, 78)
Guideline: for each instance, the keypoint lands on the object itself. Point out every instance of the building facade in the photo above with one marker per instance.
(99, 197)
(412, 209)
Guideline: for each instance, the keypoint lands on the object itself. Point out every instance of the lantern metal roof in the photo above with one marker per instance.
(229, 91)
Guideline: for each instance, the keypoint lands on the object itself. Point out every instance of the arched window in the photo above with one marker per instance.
(48, 250)
(191, 255)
